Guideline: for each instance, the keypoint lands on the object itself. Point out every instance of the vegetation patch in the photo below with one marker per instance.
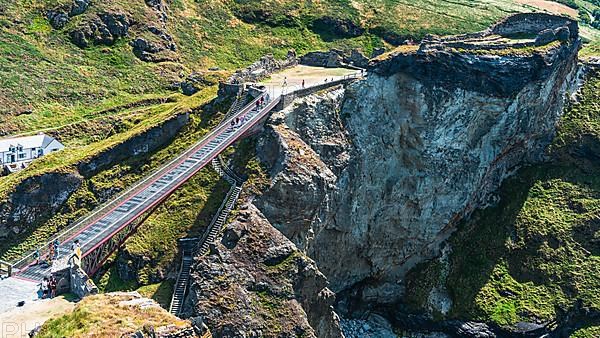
(535, 256)
(107, 316)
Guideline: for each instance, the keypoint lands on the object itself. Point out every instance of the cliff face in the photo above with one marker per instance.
(370, 179)
(255, 283)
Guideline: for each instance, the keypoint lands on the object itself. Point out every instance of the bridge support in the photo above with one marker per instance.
(95, 258)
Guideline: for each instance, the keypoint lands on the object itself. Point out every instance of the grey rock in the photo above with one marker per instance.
(377, 52)
(388, 166)
(57, 19)
(35, 198)
(59, 16)
(105, 29)
(545, 37)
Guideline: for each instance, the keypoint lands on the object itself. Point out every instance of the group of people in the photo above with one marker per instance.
(48, 284)
(238, 121)
(48, 287)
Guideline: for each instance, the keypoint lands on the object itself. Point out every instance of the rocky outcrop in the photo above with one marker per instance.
(334, 59)
(135, 146)
(105, 29)
(344, 28)
(255, 283)
(158, 45)
(34, 199)
(263, 68)
(60, 16)
(370, 179)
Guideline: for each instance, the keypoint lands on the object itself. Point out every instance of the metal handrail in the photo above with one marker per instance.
(214, 219)
(176, 283)
(83, 222)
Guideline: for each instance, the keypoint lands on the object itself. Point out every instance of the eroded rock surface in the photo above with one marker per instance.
(255, 283)
(35, 199)
(370, 179)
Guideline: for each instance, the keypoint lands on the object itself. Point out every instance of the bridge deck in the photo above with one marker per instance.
(104, 224)
(157, 189)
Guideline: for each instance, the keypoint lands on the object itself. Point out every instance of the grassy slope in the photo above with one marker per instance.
(102, 316)
(83, 96)
(538, 251)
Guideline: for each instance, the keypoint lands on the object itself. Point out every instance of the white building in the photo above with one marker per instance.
(16, 153)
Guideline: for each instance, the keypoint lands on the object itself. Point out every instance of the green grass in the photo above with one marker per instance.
(102, 316)
(111, 180)
(537, 252)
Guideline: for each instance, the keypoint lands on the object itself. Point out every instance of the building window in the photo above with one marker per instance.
(21, 155)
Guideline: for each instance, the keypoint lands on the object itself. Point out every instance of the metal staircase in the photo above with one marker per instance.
(192, 247)
(179, 292)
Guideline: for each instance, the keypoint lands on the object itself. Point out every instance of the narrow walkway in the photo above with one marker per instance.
(99, 232)
(202, 246)
(155, 189)
(190, 247)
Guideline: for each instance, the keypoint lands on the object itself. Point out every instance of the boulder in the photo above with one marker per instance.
(545, 37)
(105, 29)
(57, 19)
(562, 34)
(59, 16)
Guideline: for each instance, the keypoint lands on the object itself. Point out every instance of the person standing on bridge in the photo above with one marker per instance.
(36, 256)
(76, 257)
(56, 248)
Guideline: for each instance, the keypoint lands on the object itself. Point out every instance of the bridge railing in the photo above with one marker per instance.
(82, 223)
(43, 250)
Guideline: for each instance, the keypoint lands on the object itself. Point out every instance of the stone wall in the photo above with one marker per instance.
(335, 59)
(534, 23)
(263, 68)
(72, 279)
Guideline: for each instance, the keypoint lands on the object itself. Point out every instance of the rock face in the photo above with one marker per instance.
(335, 58)
(135, 146)
(255, 283)
(34, 199)
(60, 16)
(370, 179)
(105, 29)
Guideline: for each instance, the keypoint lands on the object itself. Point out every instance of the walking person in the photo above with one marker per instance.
(285, 81)
(303, 84)
(50, 253)
(257, 105)
(36, 256)
(56, 248)
(44, 286)
(52, 286)
(76, 256)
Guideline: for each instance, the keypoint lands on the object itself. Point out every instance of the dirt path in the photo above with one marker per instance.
(18, 322)
(551, 6)
(311, 76)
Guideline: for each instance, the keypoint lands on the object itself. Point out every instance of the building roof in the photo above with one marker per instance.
(35, 141)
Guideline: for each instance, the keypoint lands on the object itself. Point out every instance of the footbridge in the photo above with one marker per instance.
(104, 230)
